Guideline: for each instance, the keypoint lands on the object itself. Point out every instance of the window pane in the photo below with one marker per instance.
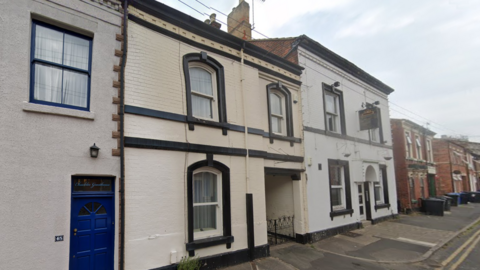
(331, 122)
(101, 211)
(276, 104)
(336, 196)
(201, 106)
(48, 83)
(335, 176)
(205, 187)
(204, 218)
(276, 124)
(48, 44)
(378, 195)
(330, 102)
(83, 212)
(75, 88)
(201, 81)
(76, 52)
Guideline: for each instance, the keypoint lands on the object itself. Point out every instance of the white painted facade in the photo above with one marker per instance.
(41, 146)
(320, 147)
(156, 179)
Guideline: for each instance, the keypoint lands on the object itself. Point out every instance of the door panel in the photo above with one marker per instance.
(92, 234)
(361, 201)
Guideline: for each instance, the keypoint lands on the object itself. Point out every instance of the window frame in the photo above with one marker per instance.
(429, 150)
(286, 100)
(341, 187)
(283, 126)
(63, 67)
(346, 207)
(418, 145)
(385, 201)
(218, 210)
(330, 90)
(411, 183)
(378, 199)
(196, 241)
(202, 59)
(213, 100)
(408, 142)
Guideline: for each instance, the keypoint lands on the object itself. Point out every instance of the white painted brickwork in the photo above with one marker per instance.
(156, 187)
(320, 148)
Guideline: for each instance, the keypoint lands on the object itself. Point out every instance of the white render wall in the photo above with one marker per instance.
(319, 148)
(40, 151)
(156, 212)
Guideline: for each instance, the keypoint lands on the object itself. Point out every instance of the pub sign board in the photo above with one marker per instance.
(91, 184)
(368, 118)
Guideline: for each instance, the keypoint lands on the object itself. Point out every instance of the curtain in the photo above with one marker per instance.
(75, 88)
(201, 106)
(64, 49)
(276, 124)
(205, 193)
(48, 83)
(201, 82)
(76, 52)
(276, 108)
(276, 104)
(48, 44)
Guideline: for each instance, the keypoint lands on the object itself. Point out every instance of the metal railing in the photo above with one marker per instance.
(280, 230)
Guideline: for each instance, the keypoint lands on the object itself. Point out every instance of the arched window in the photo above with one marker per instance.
(279, 111)
(209, 217)
(205, 91)
(207, 206)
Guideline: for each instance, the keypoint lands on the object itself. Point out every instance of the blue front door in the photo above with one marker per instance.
(92, 233)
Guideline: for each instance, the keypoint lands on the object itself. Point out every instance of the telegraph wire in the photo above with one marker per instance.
(208, 15)
(432, 123)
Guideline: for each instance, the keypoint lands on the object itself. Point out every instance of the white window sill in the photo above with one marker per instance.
(38, 108)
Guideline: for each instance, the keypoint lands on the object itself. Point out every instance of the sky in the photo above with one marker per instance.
(428, 50)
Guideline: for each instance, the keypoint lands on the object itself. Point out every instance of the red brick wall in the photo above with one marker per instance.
(418, 168)
(447, 162)
(401, 172)
(280, 47)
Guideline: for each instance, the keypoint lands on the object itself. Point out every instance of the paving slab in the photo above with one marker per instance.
(300, 256)
(389, 250)
(272, 263)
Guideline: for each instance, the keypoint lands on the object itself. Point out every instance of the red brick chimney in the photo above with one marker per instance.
(238, 21)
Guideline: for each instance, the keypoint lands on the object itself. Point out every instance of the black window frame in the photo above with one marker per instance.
(227, 237)
(386, 197)
(334, 91)
(347, 189)
(34, 60)
(287, 97)
(204, 58)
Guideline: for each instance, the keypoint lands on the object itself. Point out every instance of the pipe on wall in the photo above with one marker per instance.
(122, 139)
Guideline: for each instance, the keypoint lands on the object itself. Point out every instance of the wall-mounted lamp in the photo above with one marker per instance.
(336, 84)
(94, 151)
(295, 99)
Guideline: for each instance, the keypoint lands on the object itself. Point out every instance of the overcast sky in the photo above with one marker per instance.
(428, 50)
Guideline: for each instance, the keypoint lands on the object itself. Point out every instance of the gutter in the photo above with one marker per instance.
(122, 139)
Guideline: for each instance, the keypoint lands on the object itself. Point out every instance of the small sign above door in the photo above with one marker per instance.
(86, 184)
